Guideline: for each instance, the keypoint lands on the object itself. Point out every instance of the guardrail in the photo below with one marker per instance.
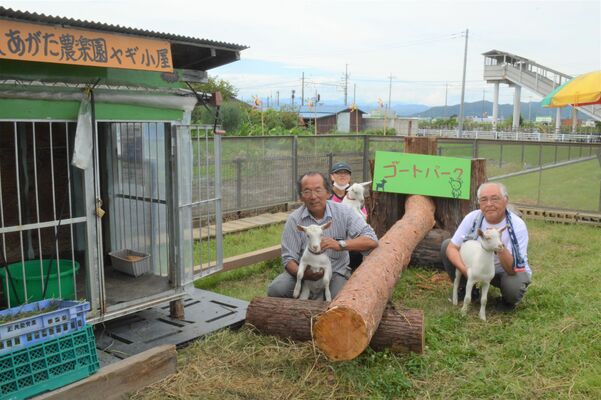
(499, 135)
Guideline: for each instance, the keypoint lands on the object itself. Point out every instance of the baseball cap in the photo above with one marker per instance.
(341, 166)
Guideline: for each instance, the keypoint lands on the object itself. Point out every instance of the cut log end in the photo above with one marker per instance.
(341, 334)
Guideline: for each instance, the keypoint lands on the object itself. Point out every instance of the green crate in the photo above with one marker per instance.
(48, 365)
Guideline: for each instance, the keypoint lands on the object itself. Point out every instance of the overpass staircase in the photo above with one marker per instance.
(503, 67)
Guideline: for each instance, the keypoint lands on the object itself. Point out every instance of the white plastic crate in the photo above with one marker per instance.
(130, 262)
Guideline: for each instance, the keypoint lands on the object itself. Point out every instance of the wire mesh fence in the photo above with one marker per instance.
(260, 172)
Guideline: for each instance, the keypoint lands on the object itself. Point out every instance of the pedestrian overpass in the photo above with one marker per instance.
(502, 67)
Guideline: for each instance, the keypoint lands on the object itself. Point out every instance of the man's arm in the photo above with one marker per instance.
(506, 260)
(455, 258)
(292, 269)
(361, 243)
(361, 236)
(506, 256)
(452, 252)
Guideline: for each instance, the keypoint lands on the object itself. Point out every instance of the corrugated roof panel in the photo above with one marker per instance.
(35, 17)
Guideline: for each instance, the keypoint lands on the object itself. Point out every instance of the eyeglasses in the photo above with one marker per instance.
(318, 192)
(493, 199)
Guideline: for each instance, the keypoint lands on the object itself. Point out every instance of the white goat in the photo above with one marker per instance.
(318, 260)
(479, 260)
(355, 197)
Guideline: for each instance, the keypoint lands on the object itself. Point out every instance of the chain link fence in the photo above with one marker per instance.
(260, 172)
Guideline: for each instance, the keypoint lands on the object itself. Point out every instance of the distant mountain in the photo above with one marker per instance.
(476, 109)
(406, 110)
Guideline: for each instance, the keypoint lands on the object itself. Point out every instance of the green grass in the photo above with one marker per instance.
(239, 243)
(549, 348)
(574, 186)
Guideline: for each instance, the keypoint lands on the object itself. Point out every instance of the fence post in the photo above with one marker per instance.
(600, 196)
(294, 166)
(540, 171)
(555, 153)
(330, 160)
(522, 154)
(501, 156)
(238, 162)
(475, 149)
(569, 151)
(366, 171)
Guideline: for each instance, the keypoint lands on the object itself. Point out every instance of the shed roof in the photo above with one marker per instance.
(187, 52)
(322, 110)
(318, 111)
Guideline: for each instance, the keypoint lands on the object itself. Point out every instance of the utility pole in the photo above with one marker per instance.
(354, 93)
(386, 111)
(389, 90)
(302, 90)
(460, 129)
(346, 85)
(482, 108)
(277, 97)
(446, 93)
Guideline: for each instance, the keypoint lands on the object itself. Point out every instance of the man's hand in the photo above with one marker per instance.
(312, 275)
(328, 243)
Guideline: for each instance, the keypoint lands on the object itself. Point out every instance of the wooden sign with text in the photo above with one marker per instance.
(422, 174)
(53, 44)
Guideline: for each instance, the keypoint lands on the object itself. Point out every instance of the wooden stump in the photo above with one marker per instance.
(450, 212)
(347, 327)
(427, 252)
(399, 330)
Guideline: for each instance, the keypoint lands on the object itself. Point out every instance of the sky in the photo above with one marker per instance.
(409, 51)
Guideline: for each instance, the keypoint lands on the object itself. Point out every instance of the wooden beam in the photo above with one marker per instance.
(116, 380)
(246, 259)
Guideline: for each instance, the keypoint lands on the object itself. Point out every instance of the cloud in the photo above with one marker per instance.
(420, 43)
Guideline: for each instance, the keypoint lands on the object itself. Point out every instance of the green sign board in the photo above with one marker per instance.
(422, 174)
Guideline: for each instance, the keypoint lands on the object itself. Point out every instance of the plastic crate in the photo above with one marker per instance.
(130, 262)
(48, 365)
(69, 316)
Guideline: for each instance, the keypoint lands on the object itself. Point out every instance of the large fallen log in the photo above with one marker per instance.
(399, 330)
(349, 324)
(427, 252)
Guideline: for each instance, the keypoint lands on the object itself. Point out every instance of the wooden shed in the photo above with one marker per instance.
(118, 229)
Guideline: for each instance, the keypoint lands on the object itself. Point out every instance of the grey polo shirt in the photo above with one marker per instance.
(346, 224)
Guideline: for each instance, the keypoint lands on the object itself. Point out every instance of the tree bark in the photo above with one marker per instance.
(347, 327)
(450, 212)
(399, 330)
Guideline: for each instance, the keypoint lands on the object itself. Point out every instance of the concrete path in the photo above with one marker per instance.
(242, 224)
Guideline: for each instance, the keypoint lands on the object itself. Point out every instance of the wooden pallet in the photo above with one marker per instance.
(561, 216)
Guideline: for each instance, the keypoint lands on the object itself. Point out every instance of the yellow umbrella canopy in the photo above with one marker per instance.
(583, 90)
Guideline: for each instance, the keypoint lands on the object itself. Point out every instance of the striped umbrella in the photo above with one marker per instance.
(581, 91)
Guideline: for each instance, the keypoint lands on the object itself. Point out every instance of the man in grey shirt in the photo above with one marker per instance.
(347, 232)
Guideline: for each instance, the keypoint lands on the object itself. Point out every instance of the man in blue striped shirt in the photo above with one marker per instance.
(347, 232)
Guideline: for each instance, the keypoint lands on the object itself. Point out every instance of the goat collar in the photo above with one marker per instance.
(318, 253)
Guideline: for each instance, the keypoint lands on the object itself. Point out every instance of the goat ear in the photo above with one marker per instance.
(326, 225)
(480, 233)
(300, 228)
(366, 183)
